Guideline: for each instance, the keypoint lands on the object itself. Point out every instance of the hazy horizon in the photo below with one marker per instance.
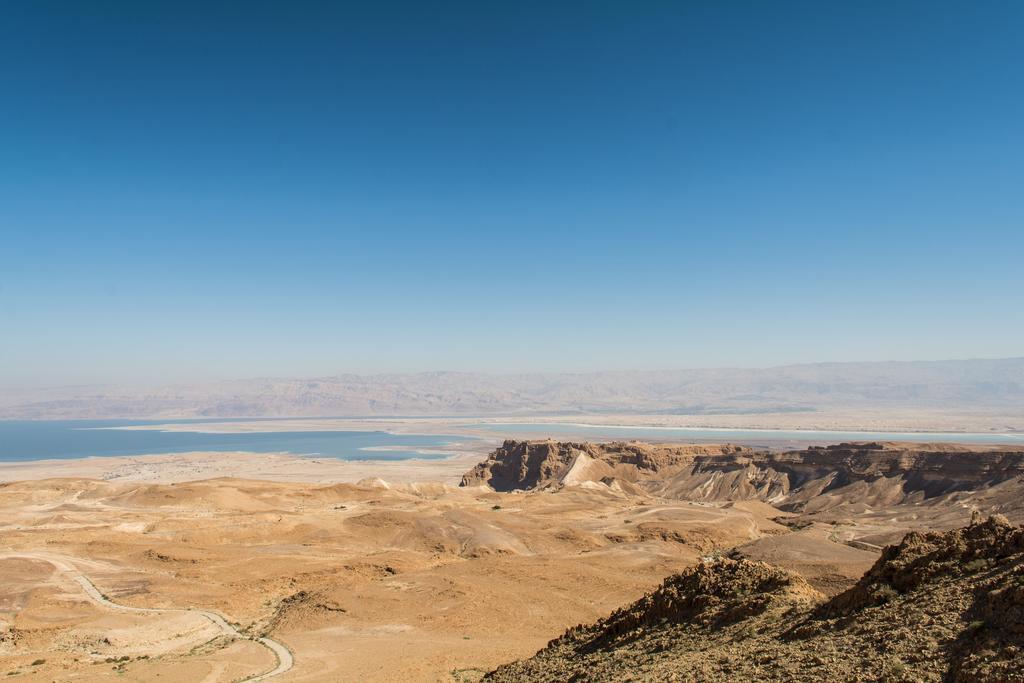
(506, 373)
(201, 193)
(979, 391)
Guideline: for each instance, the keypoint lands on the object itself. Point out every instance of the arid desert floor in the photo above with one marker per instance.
(386, 579)
(361, 582)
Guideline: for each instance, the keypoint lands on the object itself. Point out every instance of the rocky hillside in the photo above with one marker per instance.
(539, 464)
(936, 607)
(811, 480)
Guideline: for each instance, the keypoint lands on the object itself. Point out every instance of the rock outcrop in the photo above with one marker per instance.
(936, 607)
(522, 465)
(810, 480)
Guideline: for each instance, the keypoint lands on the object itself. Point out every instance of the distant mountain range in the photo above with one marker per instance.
(995, 385)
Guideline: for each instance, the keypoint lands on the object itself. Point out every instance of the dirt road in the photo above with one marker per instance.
(285, 660)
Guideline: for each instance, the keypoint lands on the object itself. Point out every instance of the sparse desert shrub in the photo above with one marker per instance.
(895, 669)
(884, 594)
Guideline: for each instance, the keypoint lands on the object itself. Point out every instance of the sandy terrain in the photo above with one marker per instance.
(179, 467)
(220, 567)
(412, 582)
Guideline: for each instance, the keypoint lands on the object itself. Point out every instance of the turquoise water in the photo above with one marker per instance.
(738, 436)
(68, 439)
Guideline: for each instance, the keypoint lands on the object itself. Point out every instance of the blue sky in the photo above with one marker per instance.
(203, 190)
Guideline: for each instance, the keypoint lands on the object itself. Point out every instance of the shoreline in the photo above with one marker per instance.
(903, 422)
(166, 468)
(470, 442)
(772, 430)
(490, 429)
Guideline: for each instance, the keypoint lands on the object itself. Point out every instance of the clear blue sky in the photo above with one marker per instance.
(194, 190)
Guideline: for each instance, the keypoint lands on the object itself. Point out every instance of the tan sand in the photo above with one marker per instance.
(379, 582)
(179, 467)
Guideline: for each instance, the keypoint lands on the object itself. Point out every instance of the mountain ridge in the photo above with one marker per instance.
(986, 386)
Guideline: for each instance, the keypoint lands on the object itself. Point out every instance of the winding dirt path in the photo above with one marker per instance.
(285, 659)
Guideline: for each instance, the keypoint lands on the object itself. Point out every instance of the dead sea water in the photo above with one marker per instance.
(70, 439)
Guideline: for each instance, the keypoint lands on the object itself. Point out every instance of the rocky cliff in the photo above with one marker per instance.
(809, 480)
(538, 464)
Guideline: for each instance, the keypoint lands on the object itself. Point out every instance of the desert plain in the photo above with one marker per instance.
(232, 566)
(368, 581)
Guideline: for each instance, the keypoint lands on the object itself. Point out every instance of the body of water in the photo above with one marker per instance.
(68, 439)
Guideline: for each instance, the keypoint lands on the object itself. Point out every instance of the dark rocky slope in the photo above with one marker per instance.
(937, 607)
